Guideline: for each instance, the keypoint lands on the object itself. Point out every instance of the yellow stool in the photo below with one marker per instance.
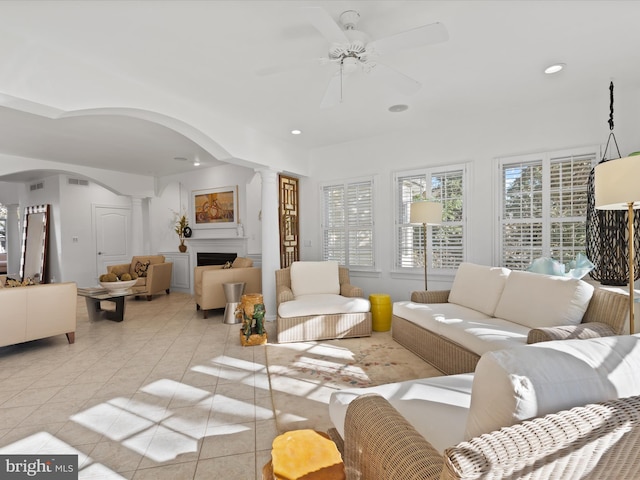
(380, 311)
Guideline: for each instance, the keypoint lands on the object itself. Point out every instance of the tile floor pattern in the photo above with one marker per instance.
(165, 394)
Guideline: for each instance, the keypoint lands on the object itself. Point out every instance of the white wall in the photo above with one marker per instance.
(75, 214)
(474, 137)
(177, 195)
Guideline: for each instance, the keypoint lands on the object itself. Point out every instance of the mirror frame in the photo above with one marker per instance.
(37, 251)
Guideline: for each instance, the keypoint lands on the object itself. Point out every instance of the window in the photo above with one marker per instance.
(543, 206)
(446, 245)
(347, 223)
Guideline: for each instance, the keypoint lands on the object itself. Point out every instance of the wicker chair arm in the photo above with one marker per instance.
(608, 307)
(347, 290)
(564, 332)
(381, 445)
(593, 441)
(430, 296)
(283, 294)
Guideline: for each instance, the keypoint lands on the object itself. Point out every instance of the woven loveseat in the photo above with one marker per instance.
(492, 308)
(555, 410)
(315, 301)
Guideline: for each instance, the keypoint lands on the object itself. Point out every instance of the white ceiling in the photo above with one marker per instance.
(207, 53)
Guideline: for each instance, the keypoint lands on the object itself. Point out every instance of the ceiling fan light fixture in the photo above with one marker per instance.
(401, 107)
(554, 68)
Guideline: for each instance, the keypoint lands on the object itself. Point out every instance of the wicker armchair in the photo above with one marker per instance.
(596, 441)
(320, 326)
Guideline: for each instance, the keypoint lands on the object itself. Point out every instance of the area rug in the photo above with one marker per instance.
(304, 374)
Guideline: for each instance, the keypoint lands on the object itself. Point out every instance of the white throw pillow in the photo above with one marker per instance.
(309, 278)
(478, 287)
(535, 300)
(520, 383)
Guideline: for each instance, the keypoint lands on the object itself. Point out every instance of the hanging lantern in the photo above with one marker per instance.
(607, 230)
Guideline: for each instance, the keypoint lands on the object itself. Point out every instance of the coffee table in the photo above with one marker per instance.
(93, 297)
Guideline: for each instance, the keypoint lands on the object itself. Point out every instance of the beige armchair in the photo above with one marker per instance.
(154, 274)
(208, 282)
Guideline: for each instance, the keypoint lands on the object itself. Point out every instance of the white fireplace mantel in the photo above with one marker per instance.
(237, 245)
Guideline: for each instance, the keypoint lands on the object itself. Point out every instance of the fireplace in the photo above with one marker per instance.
(214, 258)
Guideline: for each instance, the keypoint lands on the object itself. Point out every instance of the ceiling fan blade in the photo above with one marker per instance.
(333, 93)
(401, 82)
(416, 37)
(327, 26)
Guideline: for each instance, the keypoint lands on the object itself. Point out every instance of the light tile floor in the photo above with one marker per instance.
(165, 394)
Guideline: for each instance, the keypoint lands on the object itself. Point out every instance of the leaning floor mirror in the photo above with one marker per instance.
(35, 239)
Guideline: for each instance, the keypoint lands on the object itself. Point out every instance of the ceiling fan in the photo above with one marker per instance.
(352, 50)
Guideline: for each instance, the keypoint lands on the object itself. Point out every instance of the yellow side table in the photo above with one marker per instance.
(380, 311)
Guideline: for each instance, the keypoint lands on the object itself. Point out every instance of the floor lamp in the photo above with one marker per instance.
(617, 187)
(426, 213)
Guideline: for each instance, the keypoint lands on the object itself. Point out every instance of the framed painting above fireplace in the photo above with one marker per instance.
(215, 207)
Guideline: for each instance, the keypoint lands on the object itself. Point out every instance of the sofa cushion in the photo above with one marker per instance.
(537, 300)
(322, 304)
(314, 277)
(478, 287)
(436, 407)
(469, 328)
(513, 385)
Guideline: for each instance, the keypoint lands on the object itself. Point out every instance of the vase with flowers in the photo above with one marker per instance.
(181, 224)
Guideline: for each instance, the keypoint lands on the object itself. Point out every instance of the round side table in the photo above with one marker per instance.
(232, 293)
(380, 312)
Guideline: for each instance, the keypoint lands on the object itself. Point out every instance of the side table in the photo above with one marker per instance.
(232, 293)
(380, 312)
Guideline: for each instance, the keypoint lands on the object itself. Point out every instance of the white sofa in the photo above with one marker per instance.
(492, 308)
(480, 422)
(37, 311)
(316, 301)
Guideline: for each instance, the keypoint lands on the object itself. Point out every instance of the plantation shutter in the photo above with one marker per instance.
(521, 214)
(446, 245)
(544, 207)
(447, 238)
(348, 235)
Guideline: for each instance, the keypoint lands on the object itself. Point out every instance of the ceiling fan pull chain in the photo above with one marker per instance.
(341, 77)
(611, 106)
(610, 122)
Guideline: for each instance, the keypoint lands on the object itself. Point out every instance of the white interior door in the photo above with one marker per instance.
(112, 236)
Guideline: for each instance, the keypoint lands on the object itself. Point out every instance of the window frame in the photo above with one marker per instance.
(401, 213)
(545, 159)
(349, 252)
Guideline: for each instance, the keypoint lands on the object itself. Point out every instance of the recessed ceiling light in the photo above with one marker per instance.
(398, 108)
(555, 68)
(196, 163)
(296, 132)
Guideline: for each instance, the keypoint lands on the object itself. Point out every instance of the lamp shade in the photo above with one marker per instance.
(426, 212)
(617, 183)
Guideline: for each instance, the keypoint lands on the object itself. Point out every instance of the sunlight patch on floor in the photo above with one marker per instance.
(43, 443)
